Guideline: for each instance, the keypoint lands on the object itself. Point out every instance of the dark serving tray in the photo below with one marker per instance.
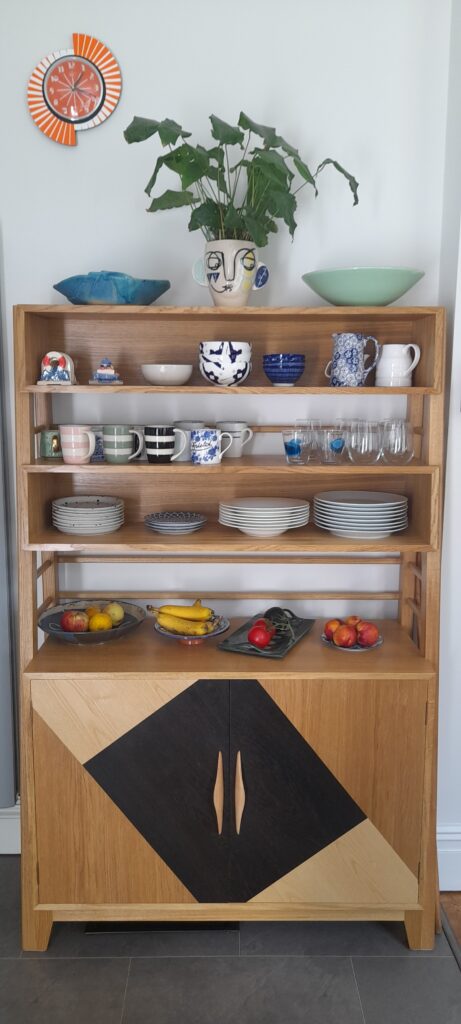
(294, 629)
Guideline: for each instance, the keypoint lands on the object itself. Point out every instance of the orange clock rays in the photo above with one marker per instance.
(72, 90)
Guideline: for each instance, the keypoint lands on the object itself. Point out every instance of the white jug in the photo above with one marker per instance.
(395, 365)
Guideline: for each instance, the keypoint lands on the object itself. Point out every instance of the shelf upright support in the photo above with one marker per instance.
(36, 924)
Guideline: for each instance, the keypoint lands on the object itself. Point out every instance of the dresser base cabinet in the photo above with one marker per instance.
(148, 776)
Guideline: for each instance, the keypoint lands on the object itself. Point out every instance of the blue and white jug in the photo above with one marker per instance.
(348, 369)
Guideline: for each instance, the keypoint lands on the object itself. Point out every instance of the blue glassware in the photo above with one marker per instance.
(108, 288)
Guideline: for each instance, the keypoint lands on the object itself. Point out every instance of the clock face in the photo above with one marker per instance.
(73, 89)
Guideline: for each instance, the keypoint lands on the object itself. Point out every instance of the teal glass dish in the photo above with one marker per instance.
(362, 286)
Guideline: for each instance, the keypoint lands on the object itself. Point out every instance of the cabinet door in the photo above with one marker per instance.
(333, 771)
(293, 806)
(132, 767)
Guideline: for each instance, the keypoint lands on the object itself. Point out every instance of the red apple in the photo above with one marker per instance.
(73, 620)
(330, 627)
(345, 636)
(352, 620)
(368, 634)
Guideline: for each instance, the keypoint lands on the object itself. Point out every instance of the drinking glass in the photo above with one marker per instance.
(333, 442)
(397, 442)
(364, 442)
(294, 441)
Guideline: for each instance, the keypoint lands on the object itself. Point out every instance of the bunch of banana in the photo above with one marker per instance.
(191, 620)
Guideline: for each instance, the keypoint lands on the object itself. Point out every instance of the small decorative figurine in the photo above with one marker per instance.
(57, 368)
(105, 374)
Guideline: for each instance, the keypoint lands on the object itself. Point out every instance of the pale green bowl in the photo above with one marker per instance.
(362, 286)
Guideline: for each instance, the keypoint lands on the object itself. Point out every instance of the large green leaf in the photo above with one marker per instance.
(215, 153)
(188, 162)
(304, 172)
(153, 178)
(142, 128)
(353, 184)
(217, 174)
(256, 229)
(170, 131)
(273, 166)
(225, 133)
(234, 222)
(207, 215)
(169, 200)
(282, 204)
(268, 134)
(289, 150)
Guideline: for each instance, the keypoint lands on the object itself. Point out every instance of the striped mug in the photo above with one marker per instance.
(118, 443)
(160, 443)
(77, 443)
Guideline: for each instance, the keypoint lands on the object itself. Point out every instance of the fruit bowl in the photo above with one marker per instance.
(355, 649)
(49, 622)
(222, 624)
(362, 286)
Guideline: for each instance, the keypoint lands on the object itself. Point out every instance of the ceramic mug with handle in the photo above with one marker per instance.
(241, 434)
(77, 443)
(160, 443)
(396, 365)
(186, 426)
(118, 443)
(206, 446)
(347, 368)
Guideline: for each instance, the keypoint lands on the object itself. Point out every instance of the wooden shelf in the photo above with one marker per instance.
(216, 538)
(207, 389)
(249, 464)
(145, 652)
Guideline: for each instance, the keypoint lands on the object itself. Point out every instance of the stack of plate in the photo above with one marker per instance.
(88, 514)
(175, 522)
(264, 517)
(361, 515)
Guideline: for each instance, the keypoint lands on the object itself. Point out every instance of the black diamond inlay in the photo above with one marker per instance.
(161, 775)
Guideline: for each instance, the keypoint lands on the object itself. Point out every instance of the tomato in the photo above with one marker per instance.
(259, 636)
(266, 624)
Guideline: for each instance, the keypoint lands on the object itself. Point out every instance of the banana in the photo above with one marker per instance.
(195, 612)
(184, 626)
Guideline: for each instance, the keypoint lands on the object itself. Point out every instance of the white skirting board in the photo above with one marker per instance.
(448, 846)
(10, 831)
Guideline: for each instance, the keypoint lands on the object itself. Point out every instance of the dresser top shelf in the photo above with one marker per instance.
(145, 653)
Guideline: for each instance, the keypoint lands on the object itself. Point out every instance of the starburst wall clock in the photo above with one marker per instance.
(73, 90)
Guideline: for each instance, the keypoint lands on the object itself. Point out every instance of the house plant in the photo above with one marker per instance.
(237, 191)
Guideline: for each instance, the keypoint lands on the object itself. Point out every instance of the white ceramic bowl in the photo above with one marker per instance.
(167, 373)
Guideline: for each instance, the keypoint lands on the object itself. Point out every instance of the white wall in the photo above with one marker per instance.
(449, 790)
(363, 82)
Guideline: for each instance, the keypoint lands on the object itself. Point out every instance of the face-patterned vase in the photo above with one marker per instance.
(231, 271)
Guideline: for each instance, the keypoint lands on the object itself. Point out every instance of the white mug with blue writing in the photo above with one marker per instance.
(205, 446)
(348, 365)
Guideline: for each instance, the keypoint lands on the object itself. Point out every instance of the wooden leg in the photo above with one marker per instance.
(36, 929)
(419, 926)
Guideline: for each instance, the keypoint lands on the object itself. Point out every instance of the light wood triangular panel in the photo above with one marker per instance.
(88, 851)
(367, 732)
(87, 718)
(359, 868)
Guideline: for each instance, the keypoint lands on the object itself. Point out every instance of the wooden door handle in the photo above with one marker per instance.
(218, 793)
(239, 793)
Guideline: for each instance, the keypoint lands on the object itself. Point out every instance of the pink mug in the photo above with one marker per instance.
(77, 443)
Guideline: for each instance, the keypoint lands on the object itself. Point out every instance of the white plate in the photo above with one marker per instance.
(265, 504)
(361, 522)
(360, 498)
(376, 510)
(88, 501)
(264, 521)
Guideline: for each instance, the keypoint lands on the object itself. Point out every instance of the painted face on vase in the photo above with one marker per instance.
(230, 268)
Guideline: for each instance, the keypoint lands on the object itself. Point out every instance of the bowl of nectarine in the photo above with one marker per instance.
(351, 634)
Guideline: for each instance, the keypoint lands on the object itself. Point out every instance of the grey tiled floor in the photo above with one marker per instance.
(281, 973)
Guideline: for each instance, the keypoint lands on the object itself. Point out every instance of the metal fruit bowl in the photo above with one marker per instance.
(192, 641)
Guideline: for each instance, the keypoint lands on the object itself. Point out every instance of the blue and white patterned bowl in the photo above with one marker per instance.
(284, 368)
(225, 363)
